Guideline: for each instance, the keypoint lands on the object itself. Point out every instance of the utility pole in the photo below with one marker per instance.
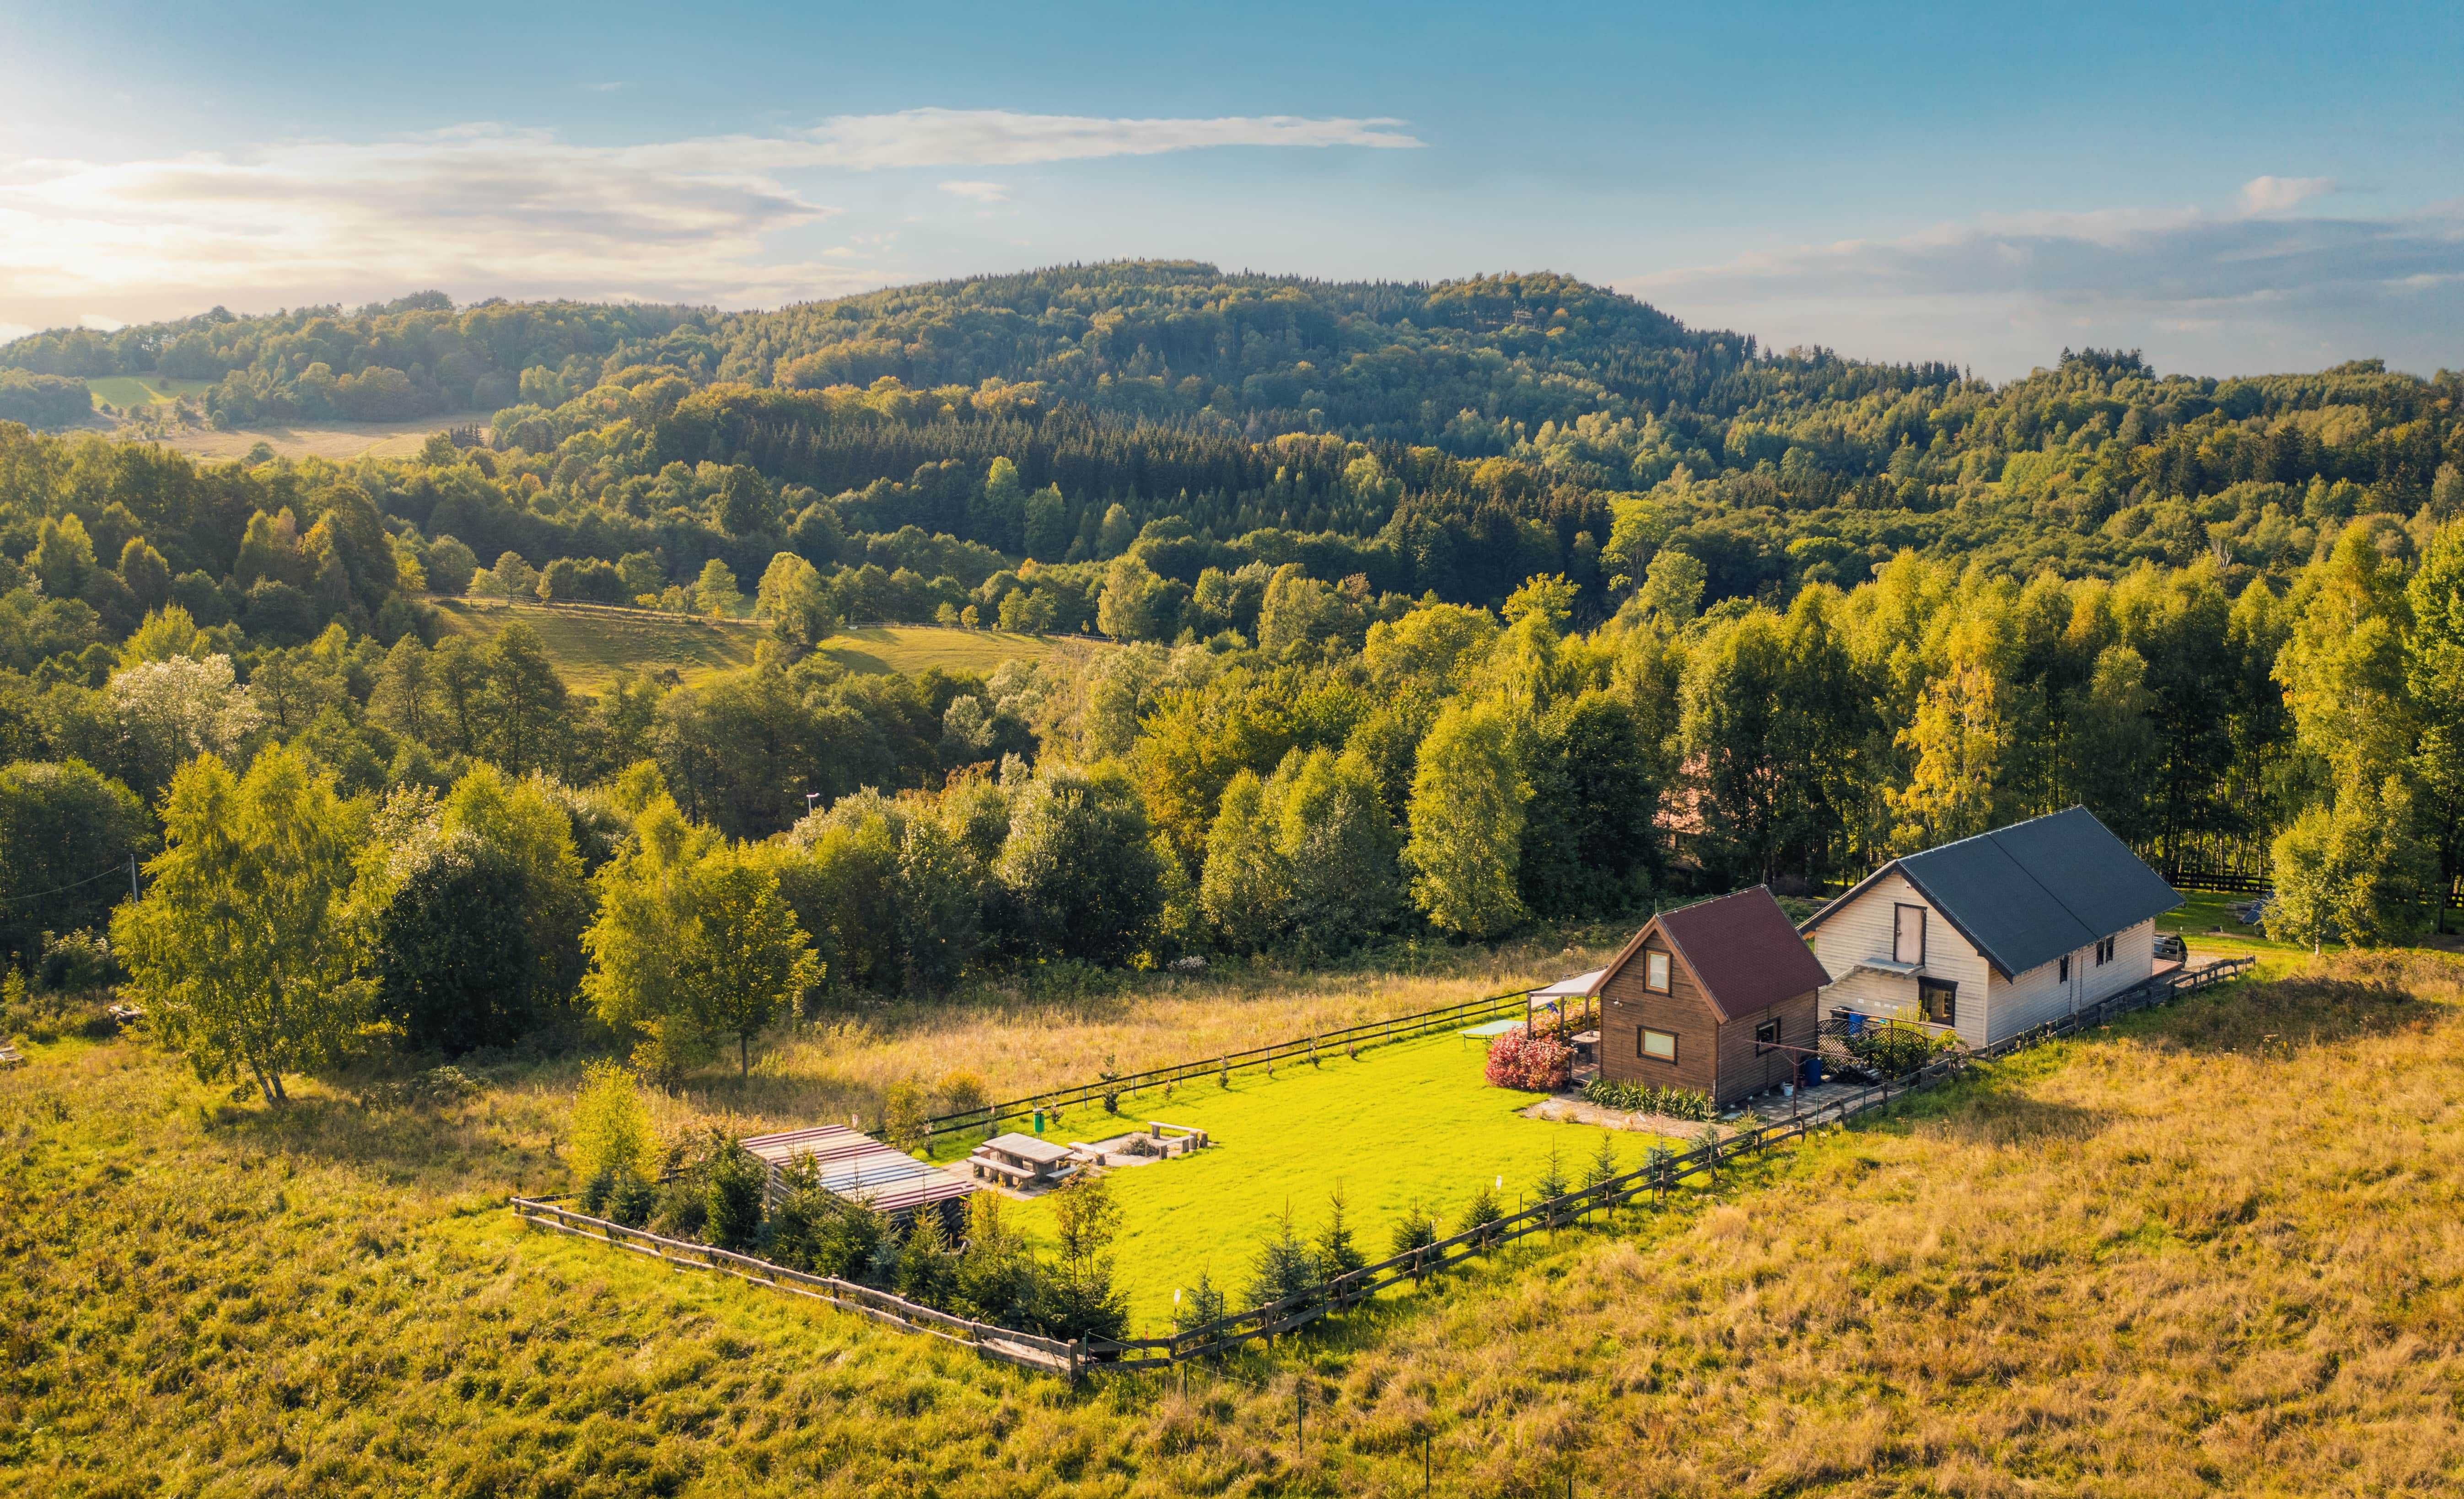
(133, 892)
(1300, 1409)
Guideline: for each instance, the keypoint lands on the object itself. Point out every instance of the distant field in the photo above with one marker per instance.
(590, 646)
(915, 647)
(339, 441)
(133, 390)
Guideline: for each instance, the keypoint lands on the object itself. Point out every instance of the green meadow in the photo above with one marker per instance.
(1410, 1123)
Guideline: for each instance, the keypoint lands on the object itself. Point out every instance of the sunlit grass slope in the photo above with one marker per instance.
(590, 646)
(2212, 1249)
(135, 390)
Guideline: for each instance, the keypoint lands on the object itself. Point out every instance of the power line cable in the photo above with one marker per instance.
(109, 873)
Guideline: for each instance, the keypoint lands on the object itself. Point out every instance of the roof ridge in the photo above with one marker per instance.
(2084, 923)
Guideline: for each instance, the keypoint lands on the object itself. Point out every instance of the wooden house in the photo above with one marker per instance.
(1712, 997)
(1998, 933)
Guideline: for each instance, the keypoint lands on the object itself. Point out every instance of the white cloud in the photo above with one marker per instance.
(1003, 138)
(100, 323)
(2276, 194)
(980, 192)
(2217, 293)
(485, 209)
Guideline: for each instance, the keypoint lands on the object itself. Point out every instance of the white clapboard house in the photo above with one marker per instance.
(1994, 933)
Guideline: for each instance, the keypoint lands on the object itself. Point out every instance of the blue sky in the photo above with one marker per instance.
(2232, 189)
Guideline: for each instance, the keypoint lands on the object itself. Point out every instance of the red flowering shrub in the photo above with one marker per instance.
(1532, 1062)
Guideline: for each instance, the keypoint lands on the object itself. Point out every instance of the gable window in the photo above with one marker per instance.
(1939, 1001)
(1766, 1036)
(2065, 975)
(1907, 934)
(1655, 972)
(1658, 1046)
(2105, 952)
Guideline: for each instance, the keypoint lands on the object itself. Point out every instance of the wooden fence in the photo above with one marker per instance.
(1400, 1028)
(1027, 1350)
(1667, 1170)
(1657, 1178)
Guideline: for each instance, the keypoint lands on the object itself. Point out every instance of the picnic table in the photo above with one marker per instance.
(1022, 1161)
(10, 1056)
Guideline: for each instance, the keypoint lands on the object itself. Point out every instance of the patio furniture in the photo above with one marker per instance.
(10, 1056)
(1022, 1160)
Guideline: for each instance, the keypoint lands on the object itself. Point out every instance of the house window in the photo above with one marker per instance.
(1655, 972)
(1659, 1046)
(1907, 934)
(1766, 1036)
(1939, 999)
(2105, 952)
(2065, 975)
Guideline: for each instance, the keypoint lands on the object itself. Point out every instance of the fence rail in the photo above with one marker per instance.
(1655, 1177)
(1027, 1350)
(1399, 1027)
(1667, 1170)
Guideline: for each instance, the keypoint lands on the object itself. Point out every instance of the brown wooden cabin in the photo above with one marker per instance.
(1709, 996)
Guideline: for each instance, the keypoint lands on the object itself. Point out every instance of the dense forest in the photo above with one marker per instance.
(1439, 610)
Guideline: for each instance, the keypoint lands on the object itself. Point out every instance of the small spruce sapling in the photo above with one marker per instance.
(1418, 1229)
(1283, 1266)
(1336, 1253)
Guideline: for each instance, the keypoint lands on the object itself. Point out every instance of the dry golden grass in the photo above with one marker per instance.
(2216, 1248)
(1030, 1034)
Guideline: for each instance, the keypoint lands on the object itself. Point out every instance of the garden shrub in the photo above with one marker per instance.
(1895, 1050)
(1528, 1061)
(1673, 1103)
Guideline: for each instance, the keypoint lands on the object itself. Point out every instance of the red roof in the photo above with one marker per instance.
(1743, 949)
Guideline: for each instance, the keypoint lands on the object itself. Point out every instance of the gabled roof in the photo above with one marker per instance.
(1742, 949)
(2027, 894)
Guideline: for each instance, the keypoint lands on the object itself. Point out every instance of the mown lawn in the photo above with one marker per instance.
(1411, 1123)
(2206, 920)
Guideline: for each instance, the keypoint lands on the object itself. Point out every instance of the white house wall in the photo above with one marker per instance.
(1862, 930)
(2040, 995)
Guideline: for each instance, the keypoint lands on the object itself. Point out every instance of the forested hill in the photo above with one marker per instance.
(1458, 437)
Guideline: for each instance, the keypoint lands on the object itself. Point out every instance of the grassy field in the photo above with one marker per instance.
(136, 390)
(1412, 1123)
(590, 646)
(2210, 1250)
(915, 647)
(339, 441)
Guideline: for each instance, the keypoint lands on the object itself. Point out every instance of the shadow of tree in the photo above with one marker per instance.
(2349, 997)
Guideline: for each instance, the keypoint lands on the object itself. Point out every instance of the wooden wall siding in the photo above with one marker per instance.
(1742, 1072)
(1862, 931)
(1627, 1009)
(2039, 995)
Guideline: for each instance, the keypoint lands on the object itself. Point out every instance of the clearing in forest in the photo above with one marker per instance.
(590, 646)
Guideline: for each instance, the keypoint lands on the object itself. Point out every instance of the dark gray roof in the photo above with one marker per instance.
(2027, 894)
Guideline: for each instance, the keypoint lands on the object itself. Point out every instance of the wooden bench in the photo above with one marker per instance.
(982, 1162)
(10, 1056)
